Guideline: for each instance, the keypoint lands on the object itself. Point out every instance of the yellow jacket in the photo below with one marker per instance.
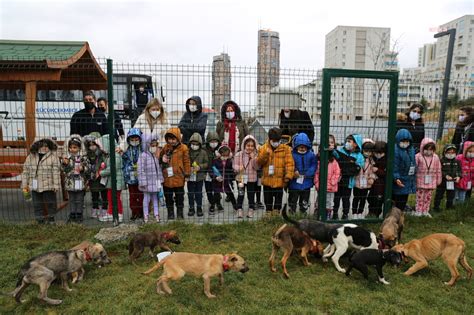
(282, 161)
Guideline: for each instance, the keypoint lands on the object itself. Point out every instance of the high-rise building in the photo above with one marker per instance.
(426, 55)
(221, 81)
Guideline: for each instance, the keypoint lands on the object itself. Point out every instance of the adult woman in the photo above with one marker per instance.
(153, 121)
(414, 124)
(231, 129)
(464, 128)
(194, 120)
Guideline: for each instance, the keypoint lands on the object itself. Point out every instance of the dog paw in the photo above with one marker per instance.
(273, 269)
(342, 270)
(324, 259)
(211, 296)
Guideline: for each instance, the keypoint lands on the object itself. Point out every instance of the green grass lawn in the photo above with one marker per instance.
(120, 288)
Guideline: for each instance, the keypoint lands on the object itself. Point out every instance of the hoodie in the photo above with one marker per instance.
(95, 160)
(199, 157)
(106, 179)
(449, 167)
(225, 124)
(224, 167)
(404, 162)
(306, 164)
(150, 175)
(130, 158)
(366, 177)
(193, 122)
(467, 167)
(178, 160)
(77, 167)
(246, 161)
(428, 168)
(350, 162)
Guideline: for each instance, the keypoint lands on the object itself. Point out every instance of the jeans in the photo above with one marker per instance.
(42, 201)
(76, 202)
(195, 194)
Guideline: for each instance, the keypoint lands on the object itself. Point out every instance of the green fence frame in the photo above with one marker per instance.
(328, 74)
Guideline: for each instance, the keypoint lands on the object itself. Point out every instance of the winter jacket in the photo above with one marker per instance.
(211, 153)
(106, 178)
(199, 157)
(378, 188)
(83, 123)
(334, 173)
(76, 170)
(464, 132)
(193, 122)
(150, 176)
(157, 129)
(242, 159)
(241, 125)
(427, 166)
(366, 172)
(45, 170)
(178, 159)
(225, 170)
(350, 162)
(299, 121)
(417, 130)
(282, 161)
(404, 160)
(449, 167)
(130, 158)
(467, 167)
(306, 164)
(95, 160)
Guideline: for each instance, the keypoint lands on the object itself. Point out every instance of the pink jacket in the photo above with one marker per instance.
(334, 172)
(427, 166)
(368, 171)
(467, 167)
(243, 159)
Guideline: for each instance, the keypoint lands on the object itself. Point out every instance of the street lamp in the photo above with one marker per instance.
(447, 74)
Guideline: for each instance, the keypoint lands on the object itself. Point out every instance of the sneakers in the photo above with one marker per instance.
(199, 212)
(260, 205)
(418, 214)
(157, 219)
(120, 217)
(94, 213)
(250, 214)
(106, 218)
(240, 213)
(427, 214)
(191, 213)
(145, 219)
(220, 207)
(212, 211)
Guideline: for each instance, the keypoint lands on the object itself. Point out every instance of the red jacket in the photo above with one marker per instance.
(467, 167)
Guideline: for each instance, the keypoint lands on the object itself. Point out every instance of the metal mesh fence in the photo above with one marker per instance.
(41, 98)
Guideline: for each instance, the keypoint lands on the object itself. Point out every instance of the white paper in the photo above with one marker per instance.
(300, 179)
(363, 182)
(450, 185)
(192, 178)
(169, 171)
(34, 184)
(162, 255)
(469, 185)
(271, 170)
(208, 178)
(245, 178)
(428, 179)
(78, 184)
(103, 181)
(411, 171)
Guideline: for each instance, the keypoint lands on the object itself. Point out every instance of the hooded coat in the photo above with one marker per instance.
(224, 167)
(95, 160)
(245, 160)
(427, 166)
(299, 121)
(404, 160)
(130, 158)
(449, 167)
(151, 126)
(334, 173)
(211, 153)
(467, 167)
(150, 176)
(45, 170)
(193, 122)
(350, 162)
(199, 156)
(107, 171)
(416, 129)
(282, 161)
(76, 170)
(306, 164)
(178, 159)
(242, 127)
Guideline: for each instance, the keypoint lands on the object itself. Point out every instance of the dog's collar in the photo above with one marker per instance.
(88, 255)
(165, 235)
(225, 264)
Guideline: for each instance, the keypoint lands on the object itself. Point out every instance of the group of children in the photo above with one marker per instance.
(152, 172)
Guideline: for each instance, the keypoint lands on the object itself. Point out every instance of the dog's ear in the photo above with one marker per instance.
(172, 233)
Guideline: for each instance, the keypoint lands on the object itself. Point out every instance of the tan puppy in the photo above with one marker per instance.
(392, 227)
(176, 265)
(448, 246)
(94, 252)
(291, 238)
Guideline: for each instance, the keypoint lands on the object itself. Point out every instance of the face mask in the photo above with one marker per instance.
(134, 143)
(142, 89)
(155, 113)
(302, 151)
(192, 108)
(89, 105)
(470, 155)
(450, 156)
(415, 115)
(379, 155)
(102, 109)
(194, 147)
(213, 145)
(348, 146)
(230, 115)
(428, 152)
(152, 149)
(404, 145)
(287, 114)
(93, 148)
(367, 154)
(275, 144)
(461, 118)
(224, 158)
(43, 150)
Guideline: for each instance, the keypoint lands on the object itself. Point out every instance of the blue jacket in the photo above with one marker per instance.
(404, 159)
(306, 164)
(355, 155)
(130, 159)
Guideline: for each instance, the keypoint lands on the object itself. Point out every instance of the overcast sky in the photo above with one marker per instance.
(191, 32)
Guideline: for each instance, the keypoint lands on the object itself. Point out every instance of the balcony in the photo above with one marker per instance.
(460, 60)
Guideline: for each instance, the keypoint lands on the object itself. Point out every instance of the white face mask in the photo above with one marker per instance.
(152, 149)
(450, 156)
(93, 148)
(142, 89)
(134, 143)
(192, 108)
(224, 158)
(415, 115)
(275, 144)
(367, 154)
(302, 151)
(428, 152)
(470, 155)
(462, 118)
(287, 114)
(230, 115)
(404, 145)
(213, 145)
(194, 147)
(348, 146)
(155, 113)
(43, 150)
(379, 155)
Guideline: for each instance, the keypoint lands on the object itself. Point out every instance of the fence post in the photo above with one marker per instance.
(111, 124)
(323, 152)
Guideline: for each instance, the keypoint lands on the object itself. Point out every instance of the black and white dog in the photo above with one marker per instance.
(346, 237)
(373, 257)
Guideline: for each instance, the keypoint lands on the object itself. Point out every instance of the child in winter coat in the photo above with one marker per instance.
(130, 172)
(106, 180)
(467, 176)
(364, 180)
(176, 169)
(245, 166)
(214, 198)
(75, 168)
(451, 171)
(41, 176)
(95, 159)
(334, 173)
(278, 167)
(428, 176)
(199, 160)
(377, 191)
(150, 176)
(404, 169)
(305, 167)
(350, 161)
(223, 173)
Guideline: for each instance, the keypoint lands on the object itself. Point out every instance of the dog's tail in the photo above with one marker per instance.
(285, 216)
(277, 233)
(464, 264)
(154, 268)
(130, 247)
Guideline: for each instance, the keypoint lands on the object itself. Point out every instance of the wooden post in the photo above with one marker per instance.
(30, 112)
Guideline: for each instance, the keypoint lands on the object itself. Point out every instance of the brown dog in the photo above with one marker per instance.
(95, 253)
(448, 246)
(291, 238)
(392, 228)
(152, 239)
(176, 265)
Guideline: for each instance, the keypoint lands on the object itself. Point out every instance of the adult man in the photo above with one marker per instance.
(142, 97)
(293, 121)
(103, 106)
(89, 119)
